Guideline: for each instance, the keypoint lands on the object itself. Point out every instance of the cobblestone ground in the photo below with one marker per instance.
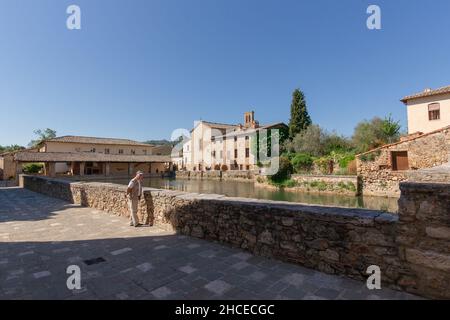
(41, 236)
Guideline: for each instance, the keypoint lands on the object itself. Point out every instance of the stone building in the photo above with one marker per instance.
(80, 156)
(218, 146)
(380, 170)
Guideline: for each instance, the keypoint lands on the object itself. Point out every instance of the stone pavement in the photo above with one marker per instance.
(41, 236)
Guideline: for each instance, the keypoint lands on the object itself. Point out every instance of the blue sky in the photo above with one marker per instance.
(140, 69)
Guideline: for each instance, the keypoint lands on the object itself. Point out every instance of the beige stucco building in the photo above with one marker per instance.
(83, 156)
(218, 146)
(428, 110)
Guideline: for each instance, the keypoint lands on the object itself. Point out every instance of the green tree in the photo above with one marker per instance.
(310, 141)
(318, 142)
(300, 119)
(375, 133)
(43, 135)
(11, 148)
(390, 129)
(302, 162)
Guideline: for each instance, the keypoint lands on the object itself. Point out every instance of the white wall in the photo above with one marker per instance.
(418, 114)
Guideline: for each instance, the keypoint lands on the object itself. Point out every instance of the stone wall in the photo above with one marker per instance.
(347, 185)
(217, 174)
(412, 249)
(425, 151)
(423, 237)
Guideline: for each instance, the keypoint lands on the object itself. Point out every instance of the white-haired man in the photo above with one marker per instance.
(134, 193)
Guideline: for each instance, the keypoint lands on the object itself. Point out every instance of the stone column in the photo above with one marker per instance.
(107, 168)
(50, 169)
(18, 172)
(130, 169)
(82, 165)
(72, 167)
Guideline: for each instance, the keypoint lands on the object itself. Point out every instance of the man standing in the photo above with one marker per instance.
(134, 193)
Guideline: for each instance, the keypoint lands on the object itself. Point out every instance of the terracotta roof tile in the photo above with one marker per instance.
(427, 93)
(96, 140)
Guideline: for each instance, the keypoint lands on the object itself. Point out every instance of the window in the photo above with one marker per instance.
(120, 151)
(144, 151)
(235, 138)
(399, 160)
(93, 150)
(199, 144)
(213, 138)
(235, 153)
(434, 112)
(213, 154)
(221, 154)
(246, 137)
(133, 151)
(247, 152)
(106, 151)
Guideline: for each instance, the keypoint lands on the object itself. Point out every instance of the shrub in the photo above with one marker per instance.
(284, 171)
(345, 160)
(324, 164)
(32, 168)
(290, 183)
(302, 162)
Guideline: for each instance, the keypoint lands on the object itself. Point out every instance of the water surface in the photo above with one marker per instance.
(247, 189)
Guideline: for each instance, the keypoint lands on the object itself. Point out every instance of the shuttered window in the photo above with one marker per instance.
(434, 111)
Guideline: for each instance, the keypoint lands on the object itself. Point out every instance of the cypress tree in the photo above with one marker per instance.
(300, 118)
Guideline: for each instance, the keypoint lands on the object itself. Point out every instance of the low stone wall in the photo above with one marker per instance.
(411, 249)
(423, 237)
(109, 197)
(347, 185)
(217, 174)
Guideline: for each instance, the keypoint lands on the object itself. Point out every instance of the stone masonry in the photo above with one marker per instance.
(424, 151)
(411, 249)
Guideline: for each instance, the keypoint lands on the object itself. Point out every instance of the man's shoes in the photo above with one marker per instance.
(137, 225)
(131, 224)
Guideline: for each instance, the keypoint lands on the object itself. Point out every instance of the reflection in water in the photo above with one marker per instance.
(247, 189)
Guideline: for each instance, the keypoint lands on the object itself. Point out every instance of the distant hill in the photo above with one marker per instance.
(163, 142)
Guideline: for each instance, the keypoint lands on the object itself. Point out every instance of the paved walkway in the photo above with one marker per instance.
(41, 236)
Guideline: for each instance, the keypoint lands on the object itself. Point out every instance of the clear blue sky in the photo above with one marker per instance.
(139, 69)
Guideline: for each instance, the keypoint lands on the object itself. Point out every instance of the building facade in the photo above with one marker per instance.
(426, 146)
(218, 146)
(428, 110)
(84, 156)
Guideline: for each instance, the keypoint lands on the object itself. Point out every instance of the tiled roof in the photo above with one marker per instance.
(427, 93)
(95, 140)
(408, 138)
(219, 125)
(86, 156)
